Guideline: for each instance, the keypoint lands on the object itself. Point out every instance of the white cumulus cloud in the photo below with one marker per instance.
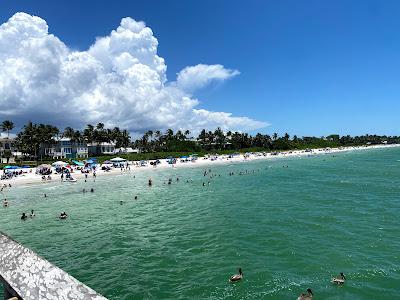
(120, 81)
(195, 77)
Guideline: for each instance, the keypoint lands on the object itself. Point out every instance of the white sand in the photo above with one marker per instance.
(31, 178)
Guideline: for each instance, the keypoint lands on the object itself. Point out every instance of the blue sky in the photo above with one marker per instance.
(306, 67)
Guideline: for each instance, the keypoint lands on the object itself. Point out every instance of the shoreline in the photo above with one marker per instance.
(33, 179)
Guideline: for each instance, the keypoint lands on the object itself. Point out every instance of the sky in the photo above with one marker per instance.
(302, 67)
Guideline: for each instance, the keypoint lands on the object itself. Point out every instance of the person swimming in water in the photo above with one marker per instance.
(5, 203)
(150, 182)
(24, 217)
(63, 215)
(306, 296)
(32, 214)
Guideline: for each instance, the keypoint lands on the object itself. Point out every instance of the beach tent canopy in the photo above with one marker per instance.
(78, 163)
(107, 162)
(59, 163)
(117, 159)
(90, 161)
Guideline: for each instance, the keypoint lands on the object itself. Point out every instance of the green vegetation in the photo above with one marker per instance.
(158, 145)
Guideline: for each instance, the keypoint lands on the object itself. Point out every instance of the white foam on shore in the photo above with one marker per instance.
(32, 178)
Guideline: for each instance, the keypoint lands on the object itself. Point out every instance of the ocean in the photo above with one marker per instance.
(289, 223)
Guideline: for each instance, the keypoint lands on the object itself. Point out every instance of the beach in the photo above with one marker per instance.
(30, 176)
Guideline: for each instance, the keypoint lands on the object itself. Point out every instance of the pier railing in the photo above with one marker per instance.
(25, 275)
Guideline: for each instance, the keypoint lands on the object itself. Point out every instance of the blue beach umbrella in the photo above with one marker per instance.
(11, 167)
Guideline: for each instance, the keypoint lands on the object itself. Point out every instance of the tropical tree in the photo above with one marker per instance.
(69, 132)
(7, 126)
(88, 133)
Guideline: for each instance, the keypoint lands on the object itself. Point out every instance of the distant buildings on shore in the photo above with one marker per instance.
(62, 148)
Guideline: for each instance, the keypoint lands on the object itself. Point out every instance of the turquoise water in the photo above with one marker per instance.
(287, 228)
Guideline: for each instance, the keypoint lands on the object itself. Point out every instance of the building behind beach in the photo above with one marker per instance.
(65, 148)
(7, 150)
(105, 148)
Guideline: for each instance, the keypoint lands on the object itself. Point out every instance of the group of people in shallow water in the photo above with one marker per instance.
(25, 216)
(308, 295)
(63, 215)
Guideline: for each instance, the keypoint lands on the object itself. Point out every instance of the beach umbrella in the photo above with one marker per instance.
(78, 163)
(117, 159)
(59, 163)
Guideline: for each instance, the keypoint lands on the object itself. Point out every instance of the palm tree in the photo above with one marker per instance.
(116, 132)
(150, 134)
(169, 133)
(202, 137)
(179, 135)
(88, 133)
(7, 125)
(125, 138)
(77, 136)
(69, 132)
(187, 132)
(219, 137)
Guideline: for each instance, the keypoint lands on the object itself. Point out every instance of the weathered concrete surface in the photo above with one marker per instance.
(33, 277)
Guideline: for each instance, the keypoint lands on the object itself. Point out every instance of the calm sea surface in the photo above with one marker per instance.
(288, 228)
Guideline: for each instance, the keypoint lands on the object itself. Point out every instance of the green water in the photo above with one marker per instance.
(287, 228)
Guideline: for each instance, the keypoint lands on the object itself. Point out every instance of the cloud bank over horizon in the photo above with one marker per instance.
(120, 81)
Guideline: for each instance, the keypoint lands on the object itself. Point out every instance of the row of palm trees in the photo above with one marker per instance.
(32, 136)
(218, 140)
(99, 134)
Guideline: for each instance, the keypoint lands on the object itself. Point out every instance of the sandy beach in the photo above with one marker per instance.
(30, 177)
